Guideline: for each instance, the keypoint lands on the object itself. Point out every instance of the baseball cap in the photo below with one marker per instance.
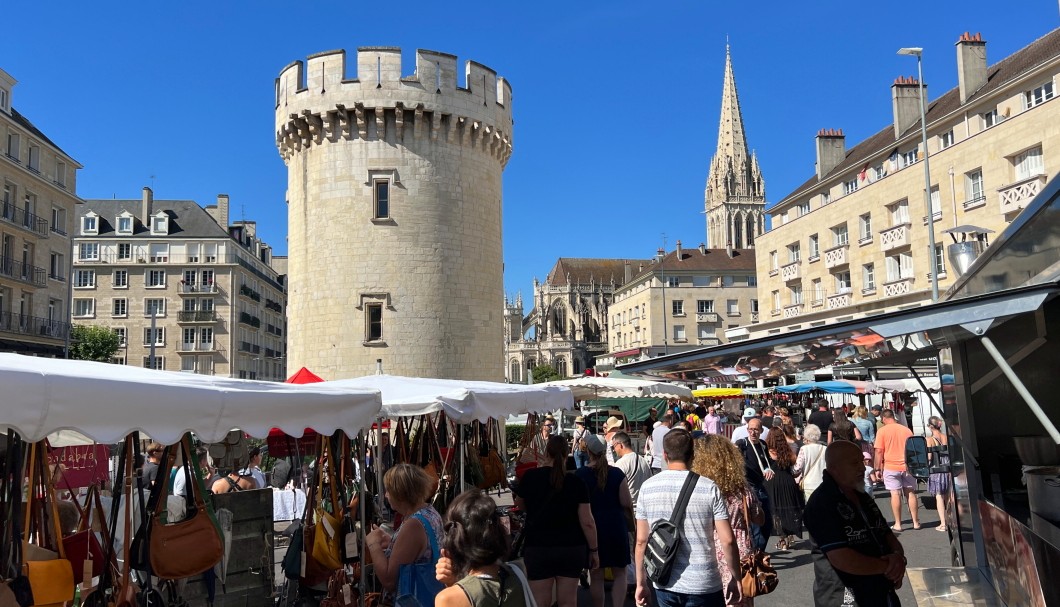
(593, 444)
(749, 412)
(612, 422)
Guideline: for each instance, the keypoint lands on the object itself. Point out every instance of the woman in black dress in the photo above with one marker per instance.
(612, 506)
(784, 493)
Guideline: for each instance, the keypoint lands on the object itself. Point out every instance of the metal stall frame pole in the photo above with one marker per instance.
(463, 459)
(1035, 408)
(363, 539)
(379, 463)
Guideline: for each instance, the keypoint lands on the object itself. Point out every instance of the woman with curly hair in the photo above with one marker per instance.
(474, 547)
(784, 494)
(718, 459)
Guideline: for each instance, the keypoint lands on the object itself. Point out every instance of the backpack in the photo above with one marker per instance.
(665, 536)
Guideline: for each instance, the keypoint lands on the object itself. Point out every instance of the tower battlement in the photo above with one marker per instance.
(316, 101)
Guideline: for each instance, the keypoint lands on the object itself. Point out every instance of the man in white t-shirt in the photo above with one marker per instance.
(657, 435)
(695, 577)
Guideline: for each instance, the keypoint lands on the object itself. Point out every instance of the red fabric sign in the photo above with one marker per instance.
(83, 465)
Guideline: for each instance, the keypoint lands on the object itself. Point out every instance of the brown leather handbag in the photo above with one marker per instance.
(757, 575)
(193, 545)
(52, 580)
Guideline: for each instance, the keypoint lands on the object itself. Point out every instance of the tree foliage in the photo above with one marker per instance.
(544, 373)
(89, 342)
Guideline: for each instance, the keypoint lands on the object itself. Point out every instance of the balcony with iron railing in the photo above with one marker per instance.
(32, 275)
(187, 288)
(274, 330)
(249, 293)
(895, 237)
(24, 219)
(1016, 196)
(11, 322)
(193, 316)
(250, 319)
(273, 305)
(197, 347)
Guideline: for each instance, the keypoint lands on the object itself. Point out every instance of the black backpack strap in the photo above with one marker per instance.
(678, 517)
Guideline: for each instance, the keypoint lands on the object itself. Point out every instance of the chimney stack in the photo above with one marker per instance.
(831, 150)
(627, 272)
(702, 248)
(971, 64)
(660, 254)
(678, 250)
(728, 249)
(222, 211)
(905, 101)
(147, 198)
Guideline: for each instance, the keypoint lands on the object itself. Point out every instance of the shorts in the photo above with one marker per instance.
(547, 562)
(896, 480)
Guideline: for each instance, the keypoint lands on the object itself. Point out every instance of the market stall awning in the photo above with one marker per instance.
(460, 400)
(901, 334)
(106, 402)
(593, 387)
(829, 387)
(717, 392)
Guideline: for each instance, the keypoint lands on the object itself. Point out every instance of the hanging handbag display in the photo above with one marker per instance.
(52, 580)
(104, 594)
(193, 545)
(17, 584)
(82, 547)
(341, 591)
(327, 536)
(757, 575)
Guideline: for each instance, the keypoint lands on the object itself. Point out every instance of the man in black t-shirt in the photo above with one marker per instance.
(849, 530)
(822, 417)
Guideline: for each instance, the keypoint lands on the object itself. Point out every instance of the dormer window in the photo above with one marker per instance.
(160, 224)
(90, 224)
(124, 223)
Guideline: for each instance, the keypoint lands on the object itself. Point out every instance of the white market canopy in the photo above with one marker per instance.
(907, 385)
(460, 400)
(593, 387)
(106, 402)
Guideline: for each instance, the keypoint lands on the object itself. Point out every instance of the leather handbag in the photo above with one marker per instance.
(82, 547)
(104, 594)
(341, 591)
(52, 580)
(16, 584)
(193, 545)
(327, 536)
(757, 575)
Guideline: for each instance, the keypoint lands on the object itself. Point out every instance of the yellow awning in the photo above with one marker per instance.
(717, 392)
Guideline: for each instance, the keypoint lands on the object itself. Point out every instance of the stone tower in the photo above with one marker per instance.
(394, 214)
(735, 196)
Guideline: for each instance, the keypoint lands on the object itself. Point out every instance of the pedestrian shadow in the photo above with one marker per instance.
(789, 560)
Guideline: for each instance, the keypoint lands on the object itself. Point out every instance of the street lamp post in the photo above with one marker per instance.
(918, 53)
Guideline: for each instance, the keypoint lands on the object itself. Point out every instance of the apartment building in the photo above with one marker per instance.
(683, 300)
(853, 240)
(185, 288)
(39, 183)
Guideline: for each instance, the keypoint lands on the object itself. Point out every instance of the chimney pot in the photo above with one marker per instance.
(702, 248)
(147, 199)
(971, 65)
(678, 250)
(831, 151)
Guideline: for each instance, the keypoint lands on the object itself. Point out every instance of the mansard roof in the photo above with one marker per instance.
(714, 261)
(883, 143)
(186, 218)
(582, 271)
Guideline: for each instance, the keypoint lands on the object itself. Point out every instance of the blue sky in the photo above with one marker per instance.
(615, 103)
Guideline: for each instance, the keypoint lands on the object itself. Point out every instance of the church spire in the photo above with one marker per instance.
(732, 142)
(734, 199)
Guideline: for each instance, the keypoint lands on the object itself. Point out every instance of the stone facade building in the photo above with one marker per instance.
(684, 300)
(568, 323)
(39, 182)
(394, 192)
(735, 197)
(170, 273)
(853, 239)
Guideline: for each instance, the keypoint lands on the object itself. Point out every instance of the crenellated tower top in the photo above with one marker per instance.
(317, 102)
(734, 197)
